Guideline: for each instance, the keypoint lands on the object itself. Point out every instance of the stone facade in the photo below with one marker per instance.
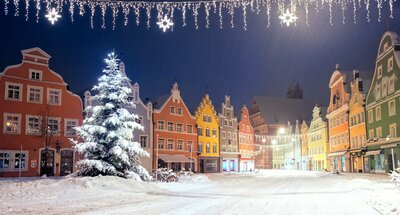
(228, 137)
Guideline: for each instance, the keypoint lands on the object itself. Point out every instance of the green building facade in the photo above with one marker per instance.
(383, 108)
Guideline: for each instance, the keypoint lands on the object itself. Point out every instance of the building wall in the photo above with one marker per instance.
(246, 142)
(208, 135)
(228, 137)
(318, 147)
(162, 134)
(338, 123)
(144, 112)
(304, 146)
(26, 138)
(384, 90)
(357, 129)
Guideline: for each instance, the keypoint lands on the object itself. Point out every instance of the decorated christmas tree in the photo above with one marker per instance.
(107, 146)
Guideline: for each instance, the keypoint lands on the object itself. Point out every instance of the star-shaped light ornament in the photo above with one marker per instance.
(53, 15)
(165, 23)
(288, 17)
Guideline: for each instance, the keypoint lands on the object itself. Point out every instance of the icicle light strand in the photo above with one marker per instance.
(198, 8)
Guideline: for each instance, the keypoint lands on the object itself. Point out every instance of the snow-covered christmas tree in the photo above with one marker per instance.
(107, 146)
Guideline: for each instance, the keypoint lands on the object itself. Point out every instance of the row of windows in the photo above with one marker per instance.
(385, 87)
(207, 132)
(389, 67)
(338, 120)
(357, 119)
(227, 123)
(171, 127)
(35, 125)
(316, 150)
(214, 148)
(378, 112)
(207, 118)
(357, 141)
(340, 139)
(316, 136)
(228, 135)
(245, 128)
(13, 160)
(228, 148)
(245, 139)
(247, 153)
(34, 94)
(171, 144)
(378, 133)
(175, 110)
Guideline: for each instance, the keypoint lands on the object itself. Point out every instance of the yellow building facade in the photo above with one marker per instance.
(357, 128)
(208, 136)
(304, 146)
(318, 147)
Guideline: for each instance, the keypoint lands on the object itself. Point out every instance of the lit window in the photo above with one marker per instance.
(13, 91)
(214, 133)
(208, 148)
(54, 96)
(12, 123)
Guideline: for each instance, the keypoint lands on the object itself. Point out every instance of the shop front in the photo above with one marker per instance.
(176, 162)
(209, 164)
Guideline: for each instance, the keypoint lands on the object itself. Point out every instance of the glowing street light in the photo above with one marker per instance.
(281, 131)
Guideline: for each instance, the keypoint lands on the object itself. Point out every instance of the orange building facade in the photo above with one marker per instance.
(246, 142)
(175, 138)
(38, 116)
(337, 115)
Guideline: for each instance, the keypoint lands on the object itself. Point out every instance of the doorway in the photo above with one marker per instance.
(47, 162)
(67, 162)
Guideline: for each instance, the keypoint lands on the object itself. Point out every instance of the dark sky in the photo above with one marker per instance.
(243, 64)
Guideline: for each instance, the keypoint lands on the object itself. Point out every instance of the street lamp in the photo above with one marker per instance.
(281, 130)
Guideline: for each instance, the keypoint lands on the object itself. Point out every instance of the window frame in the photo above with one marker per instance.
(5, 115)
(59, 99)
(27, 130)
(28, 94)
(21, 90)
(66, 120)
(31, 71)
(393, 112)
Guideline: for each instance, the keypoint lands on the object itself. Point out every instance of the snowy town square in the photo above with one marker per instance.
(265, 192)
(203, 107)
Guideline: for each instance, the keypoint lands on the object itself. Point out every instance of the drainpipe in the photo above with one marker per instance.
(394, 167)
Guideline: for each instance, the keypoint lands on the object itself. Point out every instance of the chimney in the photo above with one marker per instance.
(360, 85)
(356, 74)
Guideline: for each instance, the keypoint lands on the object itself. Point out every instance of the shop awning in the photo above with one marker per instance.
(376, 152)
(174, 158)
(336, 153)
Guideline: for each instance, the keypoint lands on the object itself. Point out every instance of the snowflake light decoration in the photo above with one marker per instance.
(53, 15)
(165, 23)
(288, 17)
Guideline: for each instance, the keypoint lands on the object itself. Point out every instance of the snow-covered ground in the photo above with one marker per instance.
(268, 192)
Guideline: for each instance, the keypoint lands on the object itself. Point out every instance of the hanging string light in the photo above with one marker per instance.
(286, 10)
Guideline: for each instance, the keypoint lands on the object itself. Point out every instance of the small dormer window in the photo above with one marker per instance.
(385, 46)
(35, 74)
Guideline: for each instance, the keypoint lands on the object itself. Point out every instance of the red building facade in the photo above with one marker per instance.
(175, 137)
(246, 142)
(37, 115)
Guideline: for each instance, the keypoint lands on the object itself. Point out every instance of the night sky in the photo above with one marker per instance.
(259, 61)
